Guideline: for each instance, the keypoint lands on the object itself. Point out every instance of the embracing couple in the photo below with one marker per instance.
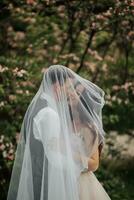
(61, 141)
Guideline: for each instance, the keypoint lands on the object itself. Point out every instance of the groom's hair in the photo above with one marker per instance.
(58, 75)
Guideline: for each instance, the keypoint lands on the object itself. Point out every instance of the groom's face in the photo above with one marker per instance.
(71, 92)
(64, 89)
(58, 88)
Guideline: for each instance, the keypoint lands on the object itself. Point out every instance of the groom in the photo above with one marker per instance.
(58, 80)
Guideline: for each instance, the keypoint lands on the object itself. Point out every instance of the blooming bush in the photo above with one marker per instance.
(7, 155)
(93, 39)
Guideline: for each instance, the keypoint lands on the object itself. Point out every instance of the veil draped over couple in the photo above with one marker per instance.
(61, 134)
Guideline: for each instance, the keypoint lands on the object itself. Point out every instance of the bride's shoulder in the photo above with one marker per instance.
(86, 132)
(85, 129)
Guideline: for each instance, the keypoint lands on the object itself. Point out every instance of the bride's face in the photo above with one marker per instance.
(79, 89)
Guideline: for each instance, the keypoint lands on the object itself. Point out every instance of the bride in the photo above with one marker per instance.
(89, 186)
(60, 141)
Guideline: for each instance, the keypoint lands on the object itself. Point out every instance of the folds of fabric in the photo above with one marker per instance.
(91, 188)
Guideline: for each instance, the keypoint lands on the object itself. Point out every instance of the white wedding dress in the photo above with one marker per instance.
(89, 186)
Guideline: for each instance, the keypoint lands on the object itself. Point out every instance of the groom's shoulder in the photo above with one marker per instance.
(45, 113)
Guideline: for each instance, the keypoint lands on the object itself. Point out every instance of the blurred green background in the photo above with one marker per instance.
(93, 38)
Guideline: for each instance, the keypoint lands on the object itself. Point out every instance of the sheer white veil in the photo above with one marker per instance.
(61, 127)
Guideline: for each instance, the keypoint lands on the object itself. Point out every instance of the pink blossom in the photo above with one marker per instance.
(3, 69)
(2, 147)
(10, 157)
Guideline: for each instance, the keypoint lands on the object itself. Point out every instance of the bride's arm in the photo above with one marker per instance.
(89, 164)
(93, 162)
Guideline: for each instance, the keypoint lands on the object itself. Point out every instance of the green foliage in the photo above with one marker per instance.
(116, 183)
(93, 39)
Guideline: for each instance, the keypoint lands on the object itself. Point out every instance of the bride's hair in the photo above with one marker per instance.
(85, 119)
